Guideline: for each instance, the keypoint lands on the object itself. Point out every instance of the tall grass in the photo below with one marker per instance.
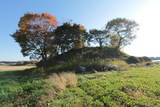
(63, 80)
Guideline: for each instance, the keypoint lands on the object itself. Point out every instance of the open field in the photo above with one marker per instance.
(12, 68)
(137, 87)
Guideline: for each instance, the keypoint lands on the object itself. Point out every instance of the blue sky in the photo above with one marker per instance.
(90, 13)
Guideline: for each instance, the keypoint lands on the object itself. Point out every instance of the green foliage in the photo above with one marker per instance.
(87, 56)
(134, 60)
(75, 97)
(99, 36)
(69, 36)
(98, 64)
(20, 89)
(113, 40)
(134, 88)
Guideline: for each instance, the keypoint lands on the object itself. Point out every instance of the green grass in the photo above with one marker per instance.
(22, 88)
(138, 87)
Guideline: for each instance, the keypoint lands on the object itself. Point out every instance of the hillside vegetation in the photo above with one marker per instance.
(92, 59)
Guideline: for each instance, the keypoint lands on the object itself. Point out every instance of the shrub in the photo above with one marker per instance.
(63, 80)
(102, 67)
(133, 60)
(145, 59)
(123, 68)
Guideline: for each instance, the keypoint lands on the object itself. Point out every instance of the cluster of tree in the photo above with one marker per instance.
(40, 36)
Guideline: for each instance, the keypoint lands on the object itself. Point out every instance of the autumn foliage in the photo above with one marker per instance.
(35, 22)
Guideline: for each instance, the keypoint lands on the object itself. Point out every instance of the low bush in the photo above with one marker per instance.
(63, 80)
(133, 60)
(123, 68)
(101, 67)
(145, 59)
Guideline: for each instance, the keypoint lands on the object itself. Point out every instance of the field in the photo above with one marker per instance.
(12, 68)
(137, 87)
(22, 88)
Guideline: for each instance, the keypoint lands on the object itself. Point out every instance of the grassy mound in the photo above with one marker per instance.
(86, 54)
(92, 59)
(86, 57)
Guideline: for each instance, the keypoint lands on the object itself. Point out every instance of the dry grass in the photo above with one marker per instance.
(124, 68)
(63, 80)
(12, 68)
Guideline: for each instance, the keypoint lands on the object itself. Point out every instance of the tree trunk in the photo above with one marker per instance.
(119, 43)
(100, 43)
(44, 60)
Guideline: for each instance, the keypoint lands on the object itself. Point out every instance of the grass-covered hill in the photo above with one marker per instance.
(93, 58)
(87, 54)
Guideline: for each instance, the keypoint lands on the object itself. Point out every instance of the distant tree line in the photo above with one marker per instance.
(40, 36)
(155, 58)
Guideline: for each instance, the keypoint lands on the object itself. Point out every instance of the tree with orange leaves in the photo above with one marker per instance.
(36, 35)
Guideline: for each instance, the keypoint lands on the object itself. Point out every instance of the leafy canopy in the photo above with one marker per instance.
(69, 36)
(99, 36)
(125, 30)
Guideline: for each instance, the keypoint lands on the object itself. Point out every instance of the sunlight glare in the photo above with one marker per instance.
(148, 37)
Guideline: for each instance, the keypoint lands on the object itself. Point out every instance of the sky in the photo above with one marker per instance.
(91, 14)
